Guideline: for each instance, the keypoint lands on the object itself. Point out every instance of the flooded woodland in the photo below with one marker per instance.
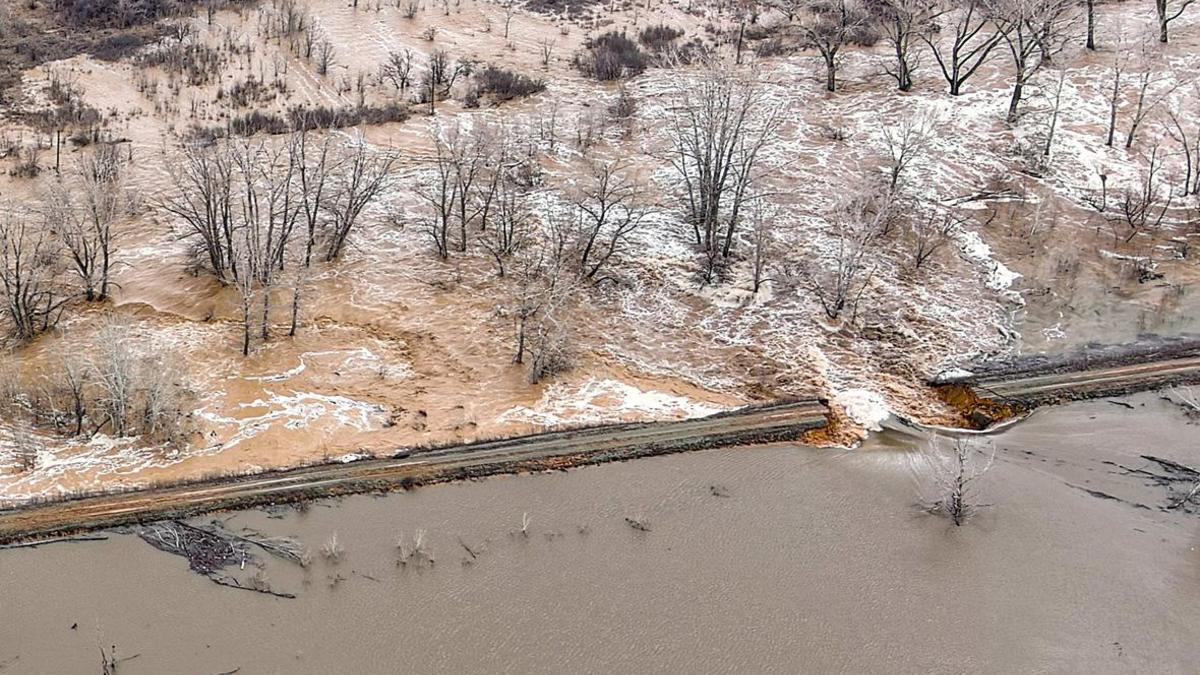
(767, 559)
(394, 271)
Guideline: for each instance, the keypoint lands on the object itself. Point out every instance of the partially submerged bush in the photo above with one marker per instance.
(307, 119)
(299, 118)
(659, 38)
(255, 122)
(612, 56)
(505, 85)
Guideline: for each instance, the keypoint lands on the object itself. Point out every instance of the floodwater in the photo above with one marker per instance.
(769, 559)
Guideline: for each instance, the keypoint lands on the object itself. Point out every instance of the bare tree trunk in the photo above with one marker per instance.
(1091, 25)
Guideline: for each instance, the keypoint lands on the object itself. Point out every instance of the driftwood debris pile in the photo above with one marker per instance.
(206, 551)
(210, 551)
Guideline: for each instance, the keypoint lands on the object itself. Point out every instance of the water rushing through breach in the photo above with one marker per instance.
(770, 559)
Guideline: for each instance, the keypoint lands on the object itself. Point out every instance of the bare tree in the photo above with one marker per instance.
(831, 25)
(510, 10)
(956, 476)
(839, 282)
(1156, 85)
(364, 174)
(609, 207)
(1167, 11)
(34, 299)
(203, 199)
(114, 368)
(441, 193)
(314, 163)
(326, 55)
(542, 294)
(512, 224)
(719, 127)
(904, 22)
(906, 143)
(840, 278)
(63, 388)
(1119, 64)
(88, 235)
(971, 45)
(1055, 111)
(269, 209)
(397, 69)
(1145, 205)
(1035, 31)
(1090, 11)
(930, 233)
(763, 248)
(1189, 146)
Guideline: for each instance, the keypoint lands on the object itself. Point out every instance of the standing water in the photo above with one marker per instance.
(767, 559)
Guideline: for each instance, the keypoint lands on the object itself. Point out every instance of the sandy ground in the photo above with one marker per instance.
(399, 348)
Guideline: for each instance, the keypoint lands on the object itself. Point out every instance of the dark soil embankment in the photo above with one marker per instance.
(1092, 356)
(998, 390)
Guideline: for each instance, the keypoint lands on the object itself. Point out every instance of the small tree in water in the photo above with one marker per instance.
(954, 478)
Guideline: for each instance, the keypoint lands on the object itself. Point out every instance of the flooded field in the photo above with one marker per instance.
(769, 559)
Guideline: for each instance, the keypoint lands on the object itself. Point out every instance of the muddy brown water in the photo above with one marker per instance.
(806, 561)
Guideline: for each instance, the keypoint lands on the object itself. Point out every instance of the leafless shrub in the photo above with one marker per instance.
(611, 56)
(505, 85)
(930, 233)
(624, 111)
(1187, 398)
(333, 549)
(416, 553)
(1145, 206)
(28, 162)
(25, 448)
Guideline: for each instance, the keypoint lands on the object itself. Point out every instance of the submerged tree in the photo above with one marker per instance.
(970, 46)
(1035, 31)
(955, 477)
(831, 25)
(30, 287)
(1167, 11)
(719, 128)
(903, 23)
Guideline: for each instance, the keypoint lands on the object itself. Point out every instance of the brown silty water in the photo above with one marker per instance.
(397, 348)
(770, 559)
